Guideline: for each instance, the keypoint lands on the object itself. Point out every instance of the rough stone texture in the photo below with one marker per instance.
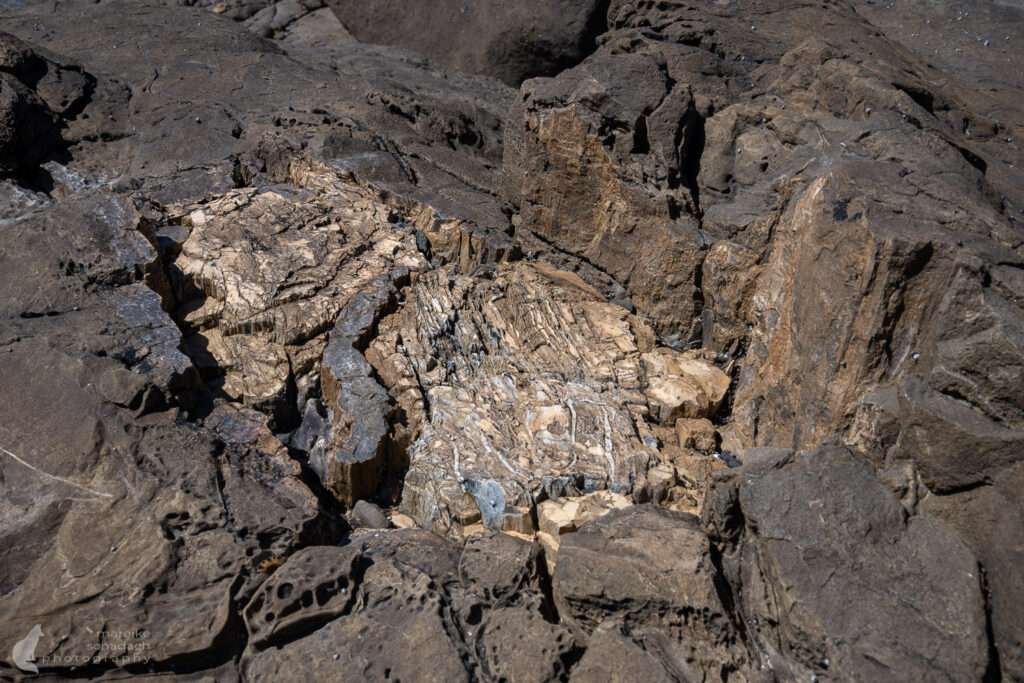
(407, 604)
(601, 148)
(696, 433)
(274, 269)
(804, 532)
(848, 179)
(613, 656)
(52, 110)
(526, 384)
(263, 276)
(825, 198)
(115, 519)
(509, 41)
(568, 514)
(369, 515)
(653, 569)
(990, 519)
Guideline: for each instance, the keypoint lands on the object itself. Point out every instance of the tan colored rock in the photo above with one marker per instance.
(521, 536)
(256, 371)
(549, 545)
(683, 385)
(278, 286)
(660, 479)
(280, 264)
(517, 385)
(556, 518)
(696, 433)
(576, 181)
(569, 514)
(402, 521)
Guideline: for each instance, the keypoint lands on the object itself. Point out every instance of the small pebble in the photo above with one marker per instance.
(113, 548)
(335, 657)
(916, 356)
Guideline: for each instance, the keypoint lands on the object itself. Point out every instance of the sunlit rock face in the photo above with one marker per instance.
(522, 383)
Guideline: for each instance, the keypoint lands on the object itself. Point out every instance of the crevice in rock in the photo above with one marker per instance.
(693, 152)
(993, 672)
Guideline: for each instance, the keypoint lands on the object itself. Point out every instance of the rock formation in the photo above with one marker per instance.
(523, 341)
(522, 383)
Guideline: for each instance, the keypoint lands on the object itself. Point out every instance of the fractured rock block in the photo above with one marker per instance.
(839, 530)
(696, 433)
(511, 42)
(520, 384)
(683, 385)
(556, 518)
(282, 287)
(653, 569)
(350, 458)
(265, 274)
(660, 479)
(569, 514)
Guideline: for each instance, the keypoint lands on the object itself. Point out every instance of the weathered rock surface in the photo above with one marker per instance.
(509, 41)
(523, 385)
(115, 519)
(256, 273)
(279, 288)
(652, 570)
(803, 532)
(407, 604)
(595, 159)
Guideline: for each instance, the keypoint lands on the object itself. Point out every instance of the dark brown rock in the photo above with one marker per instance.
(511, 42)
(802, 533)
(124, 520)
(603, 148)
(653, 569)
(408, 603)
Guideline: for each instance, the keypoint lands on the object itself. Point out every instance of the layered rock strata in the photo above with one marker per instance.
(522, 383)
